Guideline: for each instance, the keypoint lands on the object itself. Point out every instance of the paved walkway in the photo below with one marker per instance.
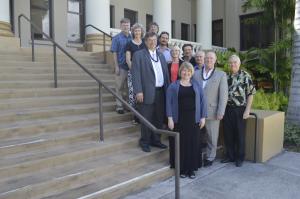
(278, 178)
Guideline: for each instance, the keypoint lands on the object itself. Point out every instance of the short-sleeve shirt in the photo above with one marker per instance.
(240, 86)
(132, 47)
(118, 46)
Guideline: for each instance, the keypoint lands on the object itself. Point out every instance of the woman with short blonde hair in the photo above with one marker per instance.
(186, 112)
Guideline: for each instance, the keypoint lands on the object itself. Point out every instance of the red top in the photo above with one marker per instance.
(174, 71)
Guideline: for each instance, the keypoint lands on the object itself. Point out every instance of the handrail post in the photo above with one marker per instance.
(177, 166)
(55, 66)
(255, 136)
(104, 48)
(32, 44)
(19, 29)
(100, 113)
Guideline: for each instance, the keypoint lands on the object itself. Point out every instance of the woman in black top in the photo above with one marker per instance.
(134, 45)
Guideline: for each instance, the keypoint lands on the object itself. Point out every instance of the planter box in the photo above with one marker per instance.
(270, 134)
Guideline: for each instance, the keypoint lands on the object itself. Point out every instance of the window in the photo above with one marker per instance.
(41, 15)
(75, 21)
(217, 32)
(112, 16)
(131, 15)
(173, 28)
(149, 19)
(253, 33)
(185, 31)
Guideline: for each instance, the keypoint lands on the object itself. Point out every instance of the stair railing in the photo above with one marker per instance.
(103, 37)
(102, 85)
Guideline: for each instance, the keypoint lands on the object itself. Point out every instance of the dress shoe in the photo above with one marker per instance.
(146, 148)
(192, 175)
(160, 145)
(120, 111)
(207, 163)
(239, 163)
(226, 160)
(183, 175)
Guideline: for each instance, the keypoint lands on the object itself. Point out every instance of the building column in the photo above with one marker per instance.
(5, 26)
(97, 14)
(204, 23)
(162, 15)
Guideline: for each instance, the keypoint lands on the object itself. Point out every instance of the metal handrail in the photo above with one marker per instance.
(104, 40)
(101, 84)
(255, 135)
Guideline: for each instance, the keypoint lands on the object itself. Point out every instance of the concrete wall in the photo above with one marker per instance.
(183, 11)
(22, 7)
(59, 21)
(143, 7)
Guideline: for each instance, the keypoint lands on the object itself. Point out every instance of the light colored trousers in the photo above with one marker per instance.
(212, 127)
(121, 86)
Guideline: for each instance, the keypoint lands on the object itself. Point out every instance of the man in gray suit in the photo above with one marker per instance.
(150, 80)
(216, 92)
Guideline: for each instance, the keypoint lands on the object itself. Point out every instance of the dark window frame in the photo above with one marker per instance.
(188, 31)
(112, 14)
(260, 37)
(136, 15)
(218, 22)
(12, 14)
(81, 14)
(148, 16)
(51, 29)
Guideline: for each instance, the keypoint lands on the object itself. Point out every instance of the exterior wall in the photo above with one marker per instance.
(22, 7)
(143, 7)
(59, 21)
(183, 11)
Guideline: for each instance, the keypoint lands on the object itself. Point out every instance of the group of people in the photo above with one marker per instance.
(188, 95)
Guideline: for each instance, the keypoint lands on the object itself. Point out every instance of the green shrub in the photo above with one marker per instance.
(270, 101)
(292, 136)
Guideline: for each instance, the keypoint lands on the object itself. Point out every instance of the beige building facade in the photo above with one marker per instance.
(208, 22)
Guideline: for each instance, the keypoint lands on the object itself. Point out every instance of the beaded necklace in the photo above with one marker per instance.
(211, 74)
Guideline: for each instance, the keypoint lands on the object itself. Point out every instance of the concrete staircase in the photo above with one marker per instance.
(49, 138)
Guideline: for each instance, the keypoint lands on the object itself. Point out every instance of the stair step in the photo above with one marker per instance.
(44, 92)
(34, 127)
(34, 102)
(10, 116)
(41, 51)
(105, 170)
(119, 185)
(38, 160)
(46, 140)
(49, 77)
(29, 64)
(50, 58)
(44, 70)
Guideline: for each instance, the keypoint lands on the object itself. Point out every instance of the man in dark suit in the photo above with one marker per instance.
(150, 80)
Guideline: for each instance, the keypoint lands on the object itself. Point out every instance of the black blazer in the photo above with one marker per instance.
(143, 77)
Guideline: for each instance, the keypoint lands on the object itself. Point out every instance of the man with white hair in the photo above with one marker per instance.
(199, 58)
(240, 97)
(216, 93)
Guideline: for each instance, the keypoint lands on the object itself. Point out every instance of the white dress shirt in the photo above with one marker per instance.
(159, 76)
(206, 75)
